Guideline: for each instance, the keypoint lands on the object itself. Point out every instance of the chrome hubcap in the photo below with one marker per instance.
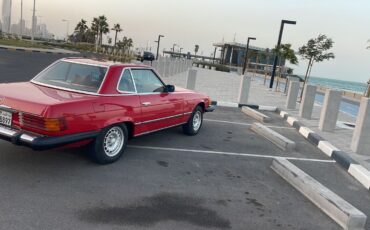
(197, 120)
(113, 141)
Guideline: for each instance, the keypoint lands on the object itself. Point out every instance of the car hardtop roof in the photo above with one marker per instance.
(102, 62)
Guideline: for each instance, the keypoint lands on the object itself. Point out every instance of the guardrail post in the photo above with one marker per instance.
(293, 91)
(330, 110)
(361, 135)
(244, 89)
(308, 100)
(191, 80)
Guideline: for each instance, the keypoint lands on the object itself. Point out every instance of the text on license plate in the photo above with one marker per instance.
(5, 118)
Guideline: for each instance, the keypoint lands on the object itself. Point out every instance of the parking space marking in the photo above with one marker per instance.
(229, 153)
(245, 124)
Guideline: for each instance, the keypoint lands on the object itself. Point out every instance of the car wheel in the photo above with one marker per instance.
(110, 144)
(195, 122)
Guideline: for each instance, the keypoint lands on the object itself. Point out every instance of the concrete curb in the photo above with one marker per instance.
(360, 173)
(255, 114)
(276, 138)
(32, 51)
(237, 105)
(342, 212)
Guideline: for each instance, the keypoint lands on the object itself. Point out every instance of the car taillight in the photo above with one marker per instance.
(41, 123)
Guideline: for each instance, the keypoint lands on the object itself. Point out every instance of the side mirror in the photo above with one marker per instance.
(169, 88)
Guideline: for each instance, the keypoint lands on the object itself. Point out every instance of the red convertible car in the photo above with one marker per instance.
(78, 101)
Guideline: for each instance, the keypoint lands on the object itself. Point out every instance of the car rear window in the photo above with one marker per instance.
(75, 76)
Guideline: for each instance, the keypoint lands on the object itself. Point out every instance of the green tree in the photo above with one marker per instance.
(81, 29)
(285, 52)
(196, 49)
(117, 29)
(315, 51)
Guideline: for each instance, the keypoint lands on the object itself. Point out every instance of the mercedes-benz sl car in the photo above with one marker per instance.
(77, 101)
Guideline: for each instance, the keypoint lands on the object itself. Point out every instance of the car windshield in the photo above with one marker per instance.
(75, 76)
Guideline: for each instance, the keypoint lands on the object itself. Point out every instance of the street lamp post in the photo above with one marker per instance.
(21, 23)
(278, 44)
(159, 40)
(181, 50)
(67, 21)
(246, 54)
(33, 21)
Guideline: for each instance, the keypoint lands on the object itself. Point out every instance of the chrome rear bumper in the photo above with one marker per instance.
(19, 137)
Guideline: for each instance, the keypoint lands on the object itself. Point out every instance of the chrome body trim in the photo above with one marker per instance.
(159, 129)
(68, 89)
(159, 119)
(120, 78)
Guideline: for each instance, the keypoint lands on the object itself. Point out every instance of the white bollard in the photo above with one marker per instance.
(155, 65)
(166, 69)
(330, 110)
(308, 100)
(191, 80)
(160, 67)
(245, 85)
(291, 101)
(172, 68)
(361, 135)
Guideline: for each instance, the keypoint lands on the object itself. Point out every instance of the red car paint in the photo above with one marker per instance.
(84, 112)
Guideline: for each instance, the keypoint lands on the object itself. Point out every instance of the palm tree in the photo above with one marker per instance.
(196, 49)
(100, 26)
(95, 28)
(284, 52)
(117, 29)
(82, 28)
(103, 28)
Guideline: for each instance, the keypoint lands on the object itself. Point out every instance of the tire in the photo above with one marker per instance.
(109, 146)
(194, 123)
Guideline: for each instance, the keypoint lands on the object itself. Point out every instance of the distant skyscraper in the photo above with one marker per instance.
(7, 14)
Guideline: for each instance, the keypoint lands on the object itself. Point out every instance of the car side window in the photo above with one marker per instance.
(146, 81)
(126, 83)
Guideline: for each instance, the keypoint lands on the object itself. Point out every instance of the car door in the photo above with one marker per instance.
(159, 109)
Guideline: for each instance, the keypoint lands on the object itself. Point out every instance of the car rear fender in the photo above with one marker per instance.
(118, 120)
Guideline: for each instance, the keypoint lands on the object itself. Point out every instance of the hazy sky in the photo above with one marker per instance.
(190, 22)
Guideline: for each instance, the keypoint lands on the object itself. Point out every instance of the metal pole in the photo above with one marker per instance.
(159, 40)
(21, 23)
(214, 55)
(367, 94)
(33, 20)
(277, 46)
(246, 54)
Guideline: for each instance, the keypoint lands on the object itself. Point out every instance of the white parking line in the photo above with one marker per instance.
(245, 124)
(229, 153)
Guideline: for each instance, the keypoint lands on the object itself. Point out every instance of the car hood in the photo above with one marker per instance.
(36, 99)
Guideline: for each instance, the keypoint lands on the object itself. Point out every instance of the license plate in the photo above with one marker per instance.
(5, 118)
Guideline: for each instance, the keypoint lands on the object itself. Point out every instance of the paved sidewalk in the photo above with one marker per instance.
(38, 50)
(224, 87)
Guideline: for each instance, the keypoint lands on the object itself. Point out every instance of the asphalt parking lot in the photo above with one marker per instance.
(219, 179)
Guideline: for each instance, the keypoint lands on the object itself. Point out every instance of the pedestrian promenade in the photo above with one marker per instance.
(224, 87)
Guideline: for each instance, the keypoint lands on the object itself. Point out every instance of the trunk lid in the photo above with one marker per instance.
(35, 99)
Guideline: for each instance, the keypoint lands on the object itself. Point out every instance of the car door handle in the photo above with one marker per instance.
(146, 103)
